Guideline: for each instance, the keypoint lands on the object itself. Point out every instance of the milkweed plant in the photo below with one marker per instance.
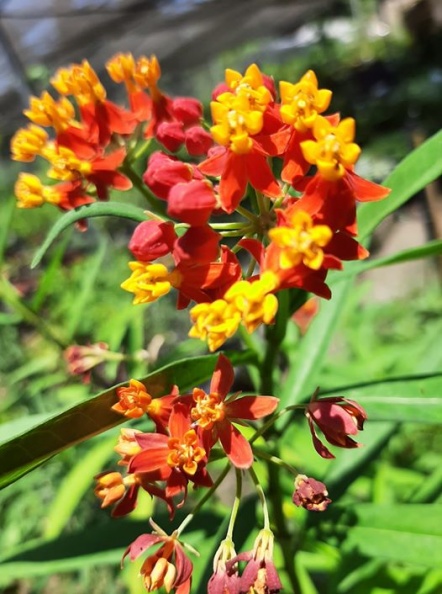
(249, 217)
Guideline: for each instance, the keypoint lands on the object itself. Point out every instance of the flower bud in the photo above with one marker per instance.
(152, 240)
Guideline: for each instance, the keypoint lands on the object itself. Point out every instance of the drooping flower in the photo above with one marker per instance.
(338, 418)
(223, 580)
(310, 494)
(81, 359)
(169, 567)
(260, 575)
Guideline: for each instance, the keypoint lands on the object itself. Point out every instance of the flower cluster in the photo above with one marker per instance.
(228, 235)
(294, 229)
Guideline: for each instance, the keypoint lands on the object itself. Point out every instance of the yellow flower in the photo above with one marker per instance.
(148, 282)
(121, 68)
(254, 300)
(251, 86)
(303, 101)
(214, 322)
(31, 193)
(27, 143)
(235, 120)
(81, 81)
(301, 241)
(46, 111)
(334, 149)
(65, 165)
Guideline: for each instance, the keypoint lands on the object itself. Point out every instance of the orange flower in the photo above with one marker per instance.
(180, 456)
(135, 401)
(214, 414)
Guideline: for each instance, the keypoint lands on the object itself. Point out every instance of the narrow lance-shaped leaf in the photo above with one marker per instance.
(25, 452)
(97, 209)
(413, 173)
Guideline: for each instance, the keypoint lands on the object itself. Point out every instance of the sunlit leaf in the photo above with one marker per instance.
(417, 170)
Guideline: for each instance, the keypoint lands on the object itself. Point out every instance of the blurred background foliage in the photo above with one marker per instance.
(383, 62)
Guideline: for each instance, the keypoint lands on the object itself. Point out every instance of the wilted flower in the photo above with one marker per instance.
(224, 580)
(260, 575)
(81, 359)
(310, 493)
(338, 418)
(168, 567)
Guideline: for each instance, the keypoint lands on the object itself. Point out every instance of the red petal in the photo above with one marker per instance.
(149, 460)
(140, 544)
(254, 247)
(364, 190)
(251, 407)
(179, 421)
(260, 175)
(215, 163)
(233, 182)
(317, 443)
(235, 445)
(183, 566)
(223, 376)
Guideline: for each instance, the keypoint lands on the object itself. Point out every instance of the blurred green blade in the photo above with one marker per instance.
(20, 455)
(413, 173)
(97, 209)
(306, 361)
(407, 399)
(74, 486)
(428, 250)
(403, 533)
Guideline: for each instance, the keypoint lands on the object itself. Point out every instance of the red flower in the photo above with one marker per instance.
(215, 414)
(164, 172)
(192, 202)
(224, 580)
(236, 170)
(260, 574)
(338, 418)
(152, 239)
(180, 456)
(168, 567)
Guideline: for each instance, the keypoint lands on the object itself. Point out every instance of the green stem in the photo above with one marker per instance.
(207, 495)
(262, 498)
(275, 335)
(235, 506)
(275, 460)
(9, 293)
(247, 214)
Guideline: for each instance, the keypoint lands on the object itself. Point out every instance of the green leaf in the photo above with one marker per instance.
(306, 361)
(24, 453)
(91, 547)
(402, 533)
(432, 248)
(413, 173)
(97, 209)
(412, 399)
(74, 485)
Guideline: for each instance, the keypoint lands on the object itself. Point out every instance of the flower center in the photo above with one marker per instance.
(208, 409)
(185, 452)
